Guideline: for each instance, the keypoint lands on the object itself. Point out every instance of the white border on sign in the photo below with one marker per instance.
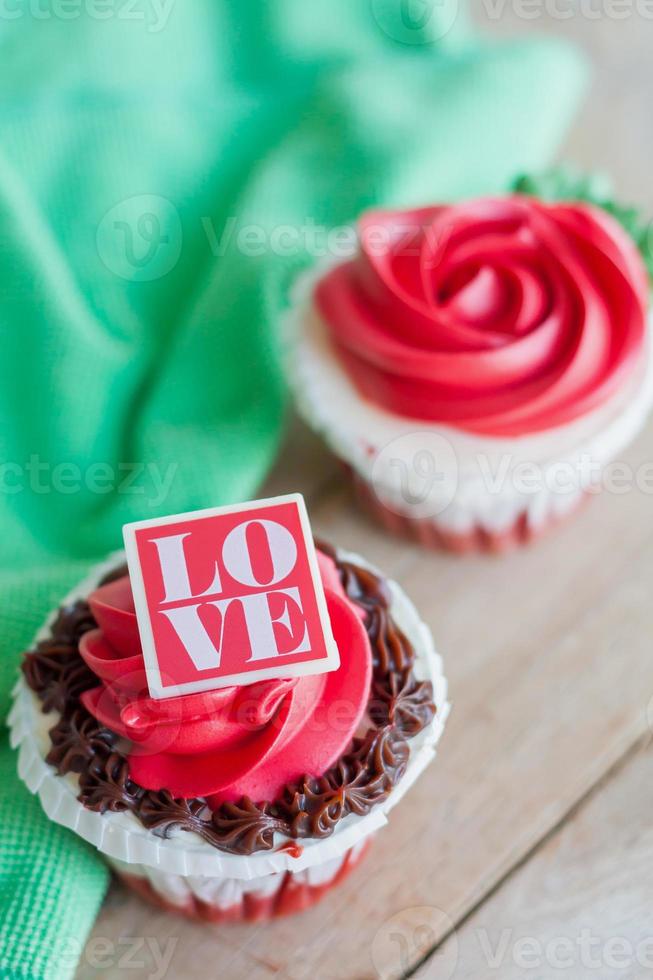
(153, 674)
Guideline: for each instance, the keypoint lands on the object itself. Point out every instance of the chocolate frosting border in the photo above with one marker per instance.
(399, 707)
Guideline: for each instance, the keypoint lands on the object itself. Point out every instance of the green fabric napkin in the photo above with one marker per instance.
(164, 168)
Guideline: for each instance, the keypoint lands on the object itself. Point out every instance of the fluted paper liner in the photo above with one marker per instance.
(122, 837)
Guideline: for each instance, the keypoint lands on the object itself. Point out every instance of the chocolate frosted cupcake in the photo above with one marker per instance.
(240, 803)
(476, 366)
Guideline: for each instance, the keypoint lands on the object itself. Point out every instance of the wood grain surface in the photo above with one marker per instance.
(534, 824)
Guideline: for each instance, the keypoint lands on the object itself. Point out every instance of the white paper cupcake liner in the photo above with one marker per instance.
(121, 836)
(477, 484)
(226, 894)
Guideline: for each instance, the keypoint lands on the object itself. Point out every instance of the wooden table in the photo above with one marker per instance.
(527, 849)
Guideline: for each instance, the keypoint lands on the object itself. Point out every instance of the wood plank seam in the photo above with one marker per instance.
(583, 801)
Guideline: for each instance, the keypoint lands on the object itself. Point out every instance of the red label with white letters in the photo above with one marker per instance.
(229, 596)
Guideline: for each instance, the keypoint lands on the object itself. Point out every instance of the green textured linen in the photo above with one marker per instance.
(131, 137)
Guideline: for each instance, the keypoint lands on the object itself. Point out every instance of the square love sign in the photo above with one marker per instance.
(230, 595)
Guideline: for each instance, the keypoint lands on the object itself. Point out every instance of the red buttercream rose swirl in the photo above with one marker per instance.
(238, 741)
(502, 316)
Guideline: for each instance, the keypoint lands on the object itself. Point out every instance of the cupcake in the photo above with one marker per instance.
(242, 803)
(476, 366)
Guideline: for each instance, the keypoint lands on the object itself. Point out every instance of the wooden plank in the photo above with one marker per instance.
(537, 645)
(612, 134)
(581, 907)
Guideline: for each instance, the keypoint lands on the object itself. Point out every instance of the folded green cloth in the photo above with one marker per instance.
(164, 169)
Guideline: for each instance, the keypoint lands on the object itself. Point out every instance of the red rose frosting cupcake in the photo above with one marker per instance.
(240, 803)
(476, 366)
